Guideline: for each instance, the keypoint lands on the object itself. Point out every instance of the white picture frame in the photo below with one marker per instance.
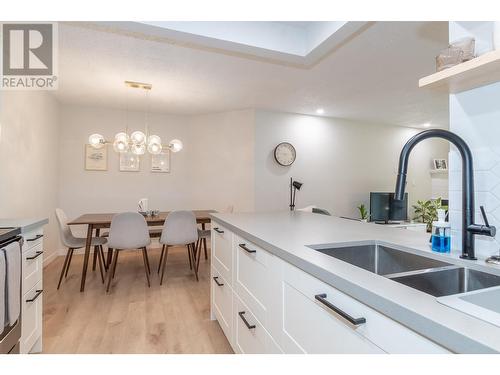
(129, 162)
(96, 159)
(440, 164)
(161, 163)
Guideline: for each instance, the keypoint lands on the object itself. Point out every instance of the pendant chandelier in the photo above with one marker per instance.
(137, 142)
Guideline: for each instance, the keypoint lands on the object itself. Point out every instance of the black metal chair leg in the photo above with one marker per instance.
(109, 257)
(112, 270)
(161, 258)
(205, 248)
(101, 264)
(194, 265)
(199, 256)
(146, 267)
(94, 260)
(63, 269)
(189, 254)
(164, 264)
(69, 262)
(147, 260)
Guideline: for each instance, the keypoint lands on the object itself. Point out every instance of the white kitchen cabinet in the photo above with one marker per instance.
(32, 269)
(222, 303)
(274, 307)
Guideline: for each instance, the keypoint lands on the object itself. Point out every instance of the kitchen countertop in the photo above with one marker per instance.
(26, 225)
(287, 235)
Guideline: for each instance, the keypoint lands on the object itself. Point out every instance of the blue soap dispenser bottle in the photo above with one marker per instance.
(441, 240)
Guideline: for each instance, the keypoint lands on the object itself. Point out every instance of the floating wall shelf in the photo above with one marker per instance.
(481, 71)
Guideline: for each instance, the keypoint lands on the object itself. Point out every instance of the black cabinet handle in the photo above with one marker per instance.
(249, 326)
(37, 294)
(216, 279)
(37, 254)
(355, 321)
(38, 236)
(244, 247)
(218, 230)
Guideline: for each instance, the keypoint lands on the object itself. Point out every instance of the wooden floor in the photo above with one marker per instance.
(132, 318)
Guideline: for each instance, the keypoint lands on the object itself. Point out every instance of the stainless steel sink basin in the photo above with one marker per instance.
(445, 282)
(379, 259)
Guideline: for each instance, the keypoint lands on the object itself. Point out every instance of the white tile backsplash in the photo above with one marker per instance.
(475, 116)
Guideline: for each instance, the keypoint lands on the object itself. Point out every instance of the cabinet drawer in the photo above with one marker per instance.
(32, 267)
(250, 336)
(31, 318)
(32, 239)
(322, 325)
(222, 303)
(252, 278)
(222, 252)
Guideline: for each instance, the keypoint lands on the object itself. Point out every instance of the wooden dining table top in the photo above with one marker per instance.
(103, 220)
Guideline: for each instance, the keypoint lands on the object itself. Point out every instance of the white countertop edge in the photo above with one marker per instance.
(471, 336)
(26, 225)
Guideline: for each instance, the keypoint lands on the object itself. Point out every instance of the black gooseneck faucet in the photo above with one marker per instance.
(469, 229)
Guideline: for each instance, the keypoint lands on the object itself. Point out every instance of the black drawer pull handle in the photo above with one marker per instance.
(244, 247)
(354, 321)
(38, 236)
(249, 326)
(37, 254)
(37, 294)
(218, 230)
(216, 279)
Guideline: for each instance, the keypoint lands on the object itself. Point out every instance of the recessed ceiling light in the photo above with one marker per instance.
(320, 111)
(426, 125)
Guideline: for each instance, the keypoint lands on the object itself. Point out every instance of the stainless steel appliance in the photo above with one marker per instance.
(11, 335)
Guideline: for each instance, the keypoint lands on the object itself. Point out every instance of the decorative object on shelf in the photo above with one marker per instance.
(129, 162)
(426, 211)
(160, 163)
(285, 154)
(457, 52)
(363, 213)
(294, 186)
(440, 165)
(138, 142)
(143, 205)
(96, 159)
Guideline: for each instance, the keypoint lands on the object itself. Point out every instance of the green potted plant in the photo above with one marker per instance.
(363, 213)
(426, 211)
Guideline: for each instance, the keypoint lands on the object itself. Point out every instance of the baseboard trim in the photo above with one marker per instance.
(50, 258)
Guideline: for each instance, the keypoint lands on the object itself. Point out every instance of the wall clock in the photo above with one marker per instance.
(285, 154)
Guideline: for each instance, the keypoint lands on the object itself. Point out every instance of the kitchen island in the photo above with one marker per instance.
(274, 291)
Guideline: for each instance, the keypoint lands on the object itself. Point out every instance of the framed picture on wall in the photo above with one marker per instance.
(129, 162)
(96, 159)
(161, 163)
(440, 164)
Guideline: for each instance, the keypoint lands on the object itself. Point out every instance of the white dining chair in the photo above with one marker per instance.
(72, 243)
(128, 230)
(179, 229)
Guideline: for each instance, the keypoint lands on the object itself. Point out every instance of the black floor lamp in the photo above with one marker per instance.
(294, 186)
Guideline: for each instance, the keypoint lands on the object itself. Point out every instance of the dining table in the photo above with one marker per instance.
(97, 221)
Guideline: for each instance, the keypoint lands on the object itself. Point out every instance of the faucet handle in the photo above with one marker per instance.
(485, 218)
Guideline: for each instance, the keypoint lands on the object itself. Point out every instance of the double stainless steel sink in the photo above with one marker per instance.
(428, 275)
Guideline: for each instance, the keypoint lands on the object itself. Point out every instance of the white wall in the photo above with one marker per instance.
(474, 115)
(338, 161)
(29, 159)
(214, 170)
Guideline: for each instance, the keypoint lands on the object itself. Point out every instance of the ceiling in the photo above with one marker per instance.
(370, 74)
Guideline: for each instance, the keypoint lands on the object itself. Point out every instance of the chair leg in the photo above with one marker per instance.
(64, 268)
(205, 248)
(194, 266)
(147, 260)
(116, 251)
(164, 264)
(69, 262)
(101, 264)
(146, 266)
(189, 255)
(112, 270)
(94, 260)
(199, 256)
(109, 257)
(161, 258)
(101, 253)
